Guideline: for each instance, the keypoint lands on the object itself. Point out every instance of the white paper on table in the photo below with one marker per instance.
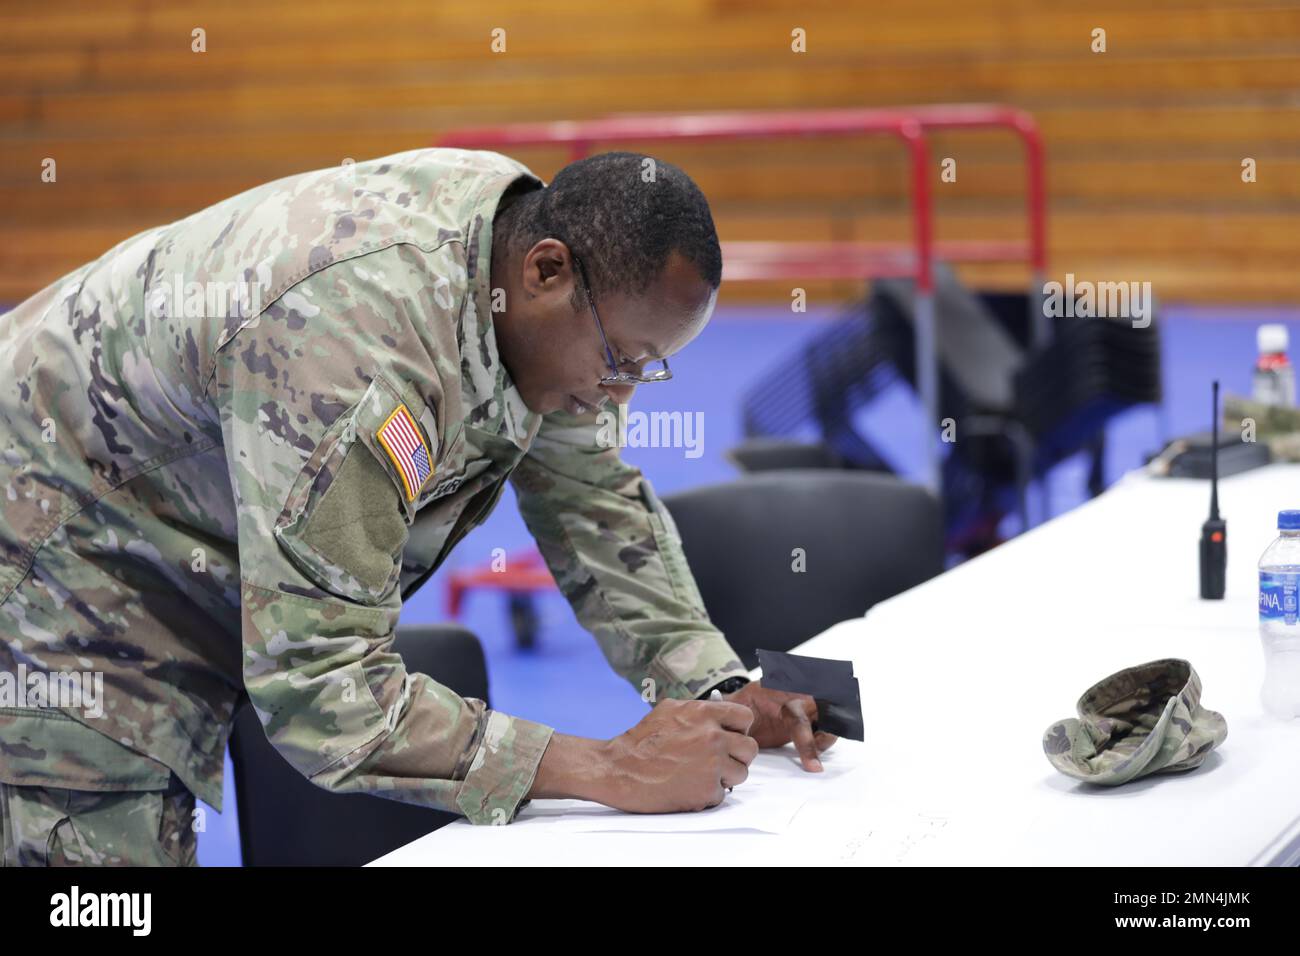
(872, 822)
(767, 801)
(894, 835)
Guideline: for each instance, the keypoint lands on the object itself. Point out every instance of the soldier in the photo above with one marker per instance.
(232, 445)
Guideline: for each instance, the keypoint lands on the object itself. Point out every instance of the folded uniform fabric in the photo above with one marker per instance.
(1277, 426)
(1143, 720)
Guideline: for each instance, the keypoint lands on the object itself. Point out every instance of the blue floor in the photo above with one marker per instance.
(565, 682)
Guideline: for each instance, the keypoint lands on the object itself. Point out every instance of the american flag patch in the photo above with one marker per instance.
(400, 437)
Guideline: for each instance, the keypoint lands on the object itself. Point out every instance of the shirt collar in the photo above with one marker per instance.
(491, 400)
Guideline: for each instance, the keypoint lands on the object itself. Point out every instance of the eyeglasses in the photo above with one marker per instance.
(617, 376)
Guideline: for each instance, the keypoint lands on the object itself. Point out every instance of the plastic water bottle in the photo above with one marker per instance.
(1274, 381)
(1279, 618)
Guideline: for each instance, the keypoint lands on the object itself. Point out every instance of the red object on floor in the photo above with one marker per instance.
(524, 572)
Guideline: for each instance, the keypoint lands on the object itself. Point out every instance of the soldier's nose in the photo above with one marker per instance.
(619, 394)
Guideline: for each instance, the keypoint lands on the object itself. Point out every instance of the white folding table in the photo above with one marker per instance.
(960, 677)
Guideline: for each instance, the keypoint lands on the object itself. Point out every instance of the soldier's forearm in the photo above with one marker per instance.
(573, 768)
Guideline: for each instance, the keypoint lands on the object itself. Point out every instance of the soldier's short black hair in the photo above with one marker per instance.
(623, 214)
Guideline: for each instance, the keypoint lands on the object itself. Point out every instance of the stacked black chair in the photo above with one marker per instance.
(285, 820)
(870, 347)
(862, 538)
(821, 387)
(986, 470)
(1093, 369)
(1016, 412)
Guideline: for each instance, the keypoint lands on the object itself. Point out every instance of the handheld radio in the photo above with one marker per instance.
(1214, 533)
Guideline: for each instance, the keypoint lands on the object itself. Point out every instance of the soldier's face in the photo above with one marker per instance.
(554, 353)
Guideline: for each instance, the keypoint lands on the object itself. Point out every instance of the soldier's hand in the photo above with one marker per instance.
(780, 718)
(683, 755)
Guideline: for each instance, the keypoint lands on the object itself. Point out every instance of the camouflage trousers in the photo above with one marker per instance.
(54, 826)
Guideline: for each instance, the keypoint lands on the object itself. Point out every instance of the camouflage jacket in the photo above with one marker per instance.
(232, 445)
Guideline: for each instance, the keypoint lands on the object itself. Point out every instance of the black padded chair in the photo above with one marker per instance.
(775, 454)
(865, 537)
(284, 820)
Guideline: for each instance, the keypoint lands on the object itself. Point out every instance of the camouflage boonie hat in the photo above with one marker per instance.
(1142, 720)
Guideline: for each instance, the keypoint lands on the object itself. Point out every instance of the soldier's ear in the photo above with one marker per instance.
(547, 261)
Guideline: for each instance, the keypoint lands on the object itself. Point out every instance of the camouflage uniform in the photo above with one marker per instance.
(1277, 426)
(199, 499)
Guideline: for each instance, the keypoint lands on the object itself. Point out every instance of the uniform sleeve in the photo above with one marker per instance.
(322, 522)
(617, 557)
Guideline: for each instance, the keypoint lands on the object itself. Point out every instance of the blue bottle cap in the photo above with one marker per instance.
(1288, 520)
